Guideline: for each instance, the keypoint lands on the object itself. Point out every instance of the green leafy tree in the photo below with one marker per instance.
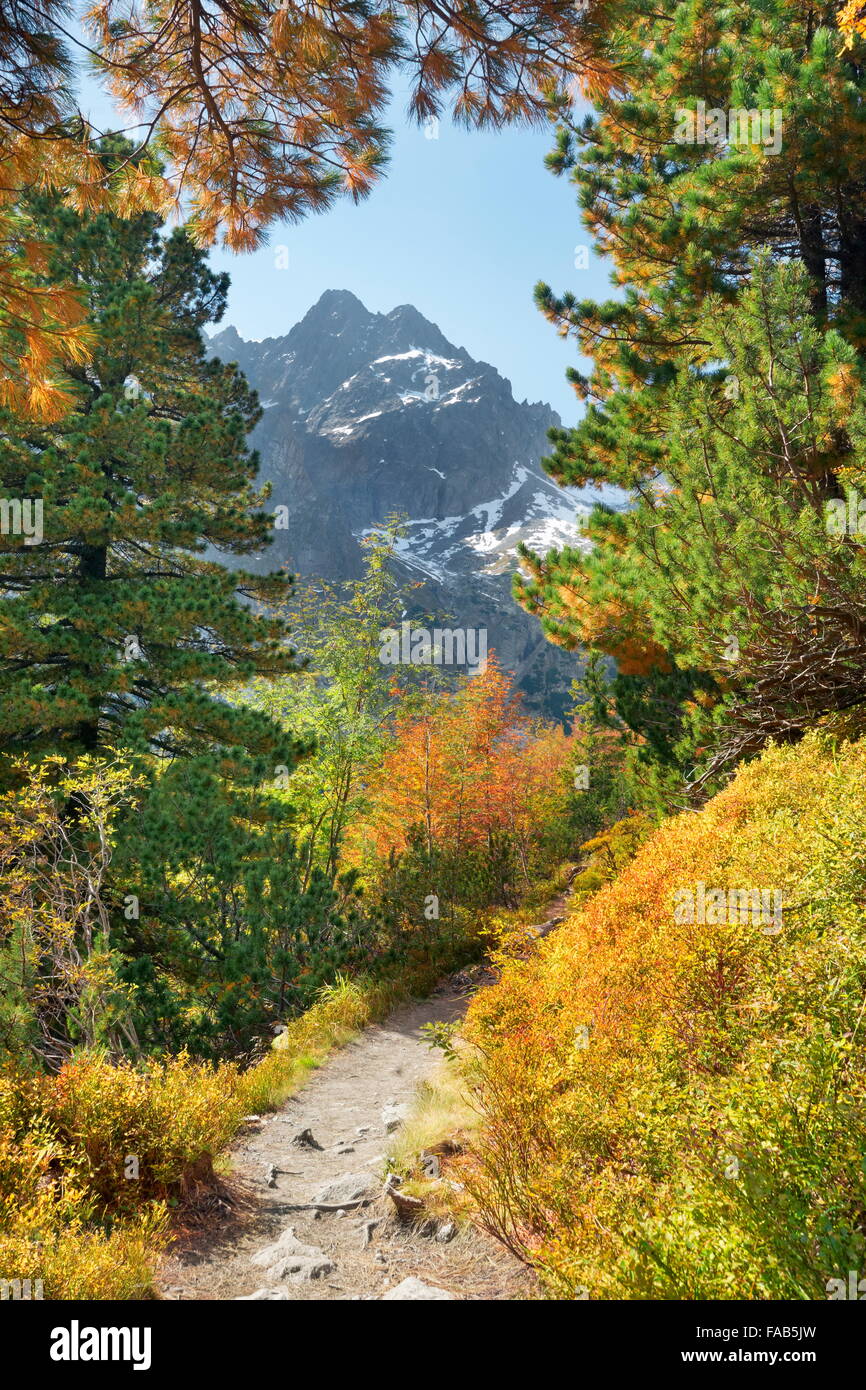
(340, 702)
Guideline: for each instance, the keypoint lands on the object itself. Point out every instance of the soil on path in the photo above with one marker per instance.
(347, 1105)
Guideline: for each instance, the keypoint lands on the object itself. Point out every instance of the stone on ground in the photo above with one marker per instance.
(341, 1192)
(393, 1116)
(261, 1294)
(289, 1258)
(413, 1288)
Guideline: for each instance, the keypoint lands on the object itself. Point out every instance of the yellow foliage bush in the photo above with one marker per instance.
(172, 1118)
(675, 1109)
(76, 1260)
(90, 1156)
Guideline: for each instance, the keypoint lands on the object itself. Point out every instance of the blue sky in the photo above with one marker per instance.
(461, 226)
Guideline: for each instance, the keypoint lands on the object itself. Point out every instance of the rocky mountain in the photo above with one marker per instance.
(367, 415)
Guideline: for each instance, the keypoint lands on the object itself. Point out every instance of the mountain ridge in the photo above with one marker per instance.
(368, 414)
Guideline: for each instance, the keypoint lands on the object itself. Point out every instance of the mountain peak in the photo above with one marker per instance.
(227, 337)
(368, 414)
(339, 306)
(406, 324)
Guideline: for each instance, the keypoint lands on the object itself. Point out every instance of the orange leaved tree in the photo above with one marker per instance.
(466, 787)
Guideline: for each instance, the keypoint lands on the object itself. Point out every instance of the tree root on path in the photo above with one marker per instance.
(323, 1206)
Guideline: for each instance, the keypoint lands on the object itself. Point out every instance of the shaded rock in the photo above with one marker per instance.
(305, 1140)
(393, 1116)
(301, 1268)
(415, 1289)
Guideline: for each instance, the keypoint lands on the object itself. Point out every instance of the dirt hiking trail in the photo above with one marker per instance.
(272, 1245)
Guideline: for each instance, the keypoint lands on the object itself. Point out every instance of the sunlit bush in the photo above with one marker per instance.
(90, 1159)
(674, 1109)
(140, 1133)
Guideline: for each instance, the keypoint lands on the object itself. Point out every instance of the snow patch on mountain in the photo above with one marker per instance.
(545, 517)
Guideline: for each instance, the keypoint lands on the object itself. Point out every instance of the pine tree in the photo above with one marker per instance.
(266, 110)
(120, 629)
(680, 218)
(113, 623)
(682, 222)
(747, 572)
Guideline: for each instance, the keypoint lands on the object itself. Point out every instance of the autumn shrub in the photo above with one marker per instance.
(92, 1157)
(77, 1260)
(676, 1109)
(603, 856)
(468, 804)
(55, 1225)
(146, 1132)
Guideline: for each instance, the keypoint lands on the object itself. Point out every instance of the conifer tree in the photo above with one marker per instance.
(113, 621)
(680, 196)
(681, 188)
(748, 578)
(266, 110)
(120, 629)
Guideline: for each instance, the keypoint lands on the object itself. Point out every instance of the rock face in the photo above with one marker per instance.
(370, 414)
